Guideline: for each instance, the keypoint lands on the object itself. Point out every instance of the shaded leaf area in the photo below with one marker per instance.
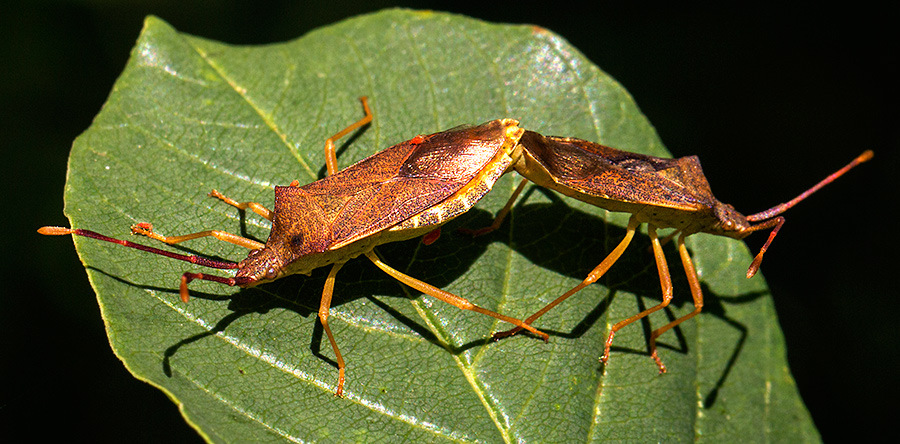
(188, 115)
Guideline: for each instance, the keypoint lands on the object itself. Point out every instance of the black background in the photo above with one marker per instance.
(771, 99)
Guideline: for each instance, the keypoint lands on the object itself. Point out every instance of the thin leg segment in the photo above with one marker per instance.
(146, 229)
(330, 154)
(253, 206)
(185, 278)
(777, 222)
(500, 215)
(592, 277)
(324, 313)
(448, 297)
(665, 282)
(696, 294)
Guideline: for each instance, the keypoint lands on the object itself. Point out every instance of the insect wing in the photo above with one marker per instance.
(601, 171)
(407, 179)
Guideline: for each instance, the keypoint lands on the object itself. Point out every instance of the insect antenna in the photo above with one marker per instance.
(185, 278)
(766, 217)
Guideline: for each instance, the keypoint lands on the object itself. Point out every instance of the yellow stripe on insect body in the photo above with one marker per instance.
(463, 200)
(402, 192)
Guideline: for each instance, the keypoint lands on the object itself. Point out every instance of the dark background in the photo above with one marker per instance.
(772, 100)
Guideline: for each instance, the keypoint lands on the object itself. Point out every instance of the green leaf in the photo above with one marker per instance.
(188, 115)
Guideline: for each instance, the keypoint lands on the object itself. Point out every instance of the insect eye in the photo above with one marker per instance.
(297, 240)
(271, 273)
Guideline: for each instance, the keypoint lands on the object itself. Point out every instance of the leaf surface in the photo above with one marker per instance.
(188, 115)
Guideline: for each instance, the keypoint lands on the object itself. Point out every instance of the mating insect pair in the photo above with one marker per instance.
(411, 189)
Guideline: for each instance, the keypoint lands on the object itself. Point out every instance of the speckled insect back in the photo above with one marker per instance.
(406, 191)
(663, 193)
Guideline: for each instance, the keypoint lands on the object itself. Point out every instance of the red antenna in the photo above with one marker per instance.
(765, 217)
(185, 278)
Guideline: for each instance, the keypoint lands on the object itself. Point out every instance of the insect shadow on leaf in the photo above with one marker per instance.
(659, 192)
(534, 226)
(403, 192)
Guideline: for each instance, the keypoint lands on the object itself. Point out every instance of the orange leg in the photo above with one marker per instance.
(253, 206)
(667, 239)
(448, 297)
(146, 229)
(324, 313)
(696, 294)
(665, 281)
(500, 215)
(330, 154)
(592, 277)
